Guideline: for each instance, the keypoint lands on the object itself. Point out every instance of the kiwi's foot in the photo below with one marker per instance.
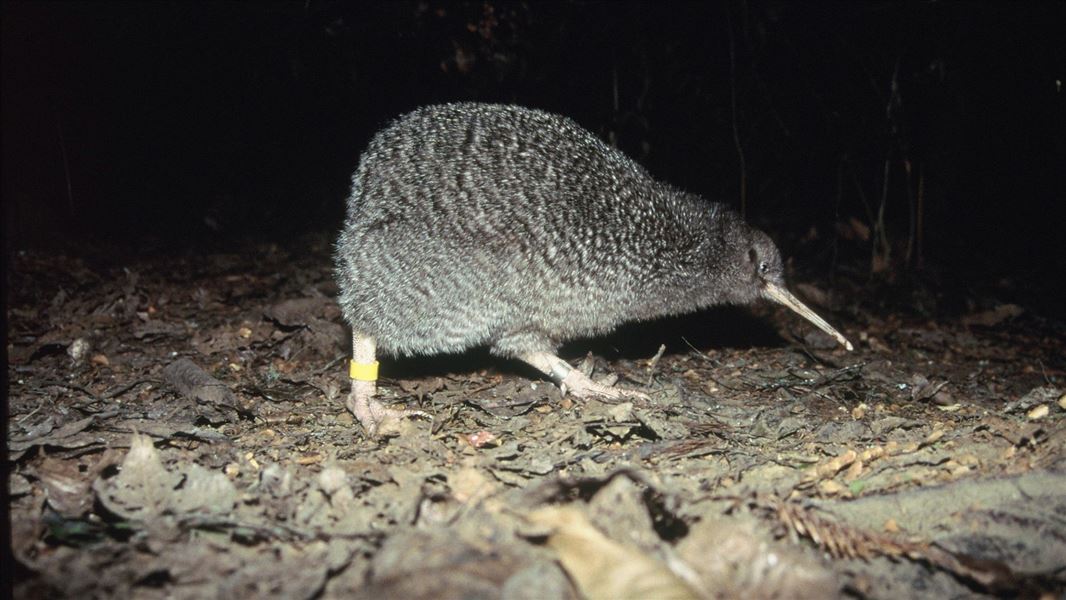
(372, 414)
(575, 382)
(582, 386)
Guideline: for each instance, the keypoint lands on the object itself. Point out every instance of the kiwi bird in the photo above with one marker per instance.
(492, 225)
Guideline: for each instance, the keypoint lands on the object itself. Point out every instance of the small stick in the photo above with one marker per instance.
(654, 362)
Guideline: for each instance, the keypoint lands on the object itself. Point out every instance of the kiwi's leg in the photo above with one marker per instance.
(575, 382)
(370, 412)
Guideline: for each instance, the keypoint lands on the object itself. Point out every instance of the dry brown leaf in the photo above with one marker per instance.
(997, 315)
(193, 382)
(1038, 412)
(737, 557)
(933, 438)
(853, 229)
(872, 453)
(65, 486)
(854, 471)
(470, 485)
(830, 487)
(831, 467)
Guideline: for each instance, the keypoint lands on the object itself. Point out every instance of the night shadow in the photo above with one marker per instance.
(721, 327)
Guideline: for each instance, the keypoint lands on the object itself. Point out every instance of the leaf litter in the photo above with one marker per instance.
(177, 429)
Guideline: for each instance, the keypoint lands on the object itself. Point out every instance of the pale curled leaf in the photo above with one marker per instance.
(204, 491)
(144, 489)
(603, 568)
(141, 488)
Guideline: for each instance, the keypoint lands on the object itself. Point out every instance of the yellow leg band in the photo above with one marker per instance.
(363, 371)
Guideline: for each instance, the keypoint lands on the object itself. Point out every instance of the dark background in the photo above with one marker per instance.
(181, 126)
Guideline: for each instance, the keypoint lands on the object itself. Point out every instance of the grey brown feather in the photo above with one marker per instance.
(478, 224)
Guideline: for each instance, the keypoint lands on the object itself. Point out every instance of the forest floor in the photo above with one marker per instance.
(177, 428)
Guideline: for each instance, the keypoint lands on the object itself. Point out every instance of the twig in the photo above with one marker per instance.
(912, 217)
(710, 360)
(331, 364)
(272, 531)
(66, 163)
(23, 418)
(70, 386)
(701, 354)
(880, 237)
(836, 219)
(835, 375)
(122, 389)
(862, 197)
(920, 218)
(1047, 379)
(614, 87)
(733, 104)
(654, 362)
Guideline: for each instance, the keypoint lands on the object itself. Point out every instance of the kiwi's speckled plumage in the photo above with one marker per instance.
(478, 224)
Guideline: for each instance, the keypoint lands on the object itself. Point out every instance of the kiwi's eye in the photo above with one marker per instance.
(764, 267)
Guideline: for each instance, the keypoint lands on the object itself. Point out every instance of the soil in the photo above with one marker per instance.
(177, 428)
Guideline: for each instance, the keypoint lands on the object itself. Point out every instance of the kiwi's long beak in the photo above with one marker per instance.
(780, 294)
